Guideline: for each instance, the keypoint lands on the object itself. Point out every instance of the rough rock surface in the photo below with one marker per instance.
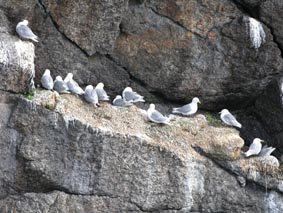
(269, 110)
(92, 25)
(68, 155)
(16, 61)
(195, 48)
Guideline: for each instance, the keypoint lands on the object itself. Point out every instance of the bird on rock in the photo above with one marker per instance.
(60, 86)
(91, 95)
(156, 117)
(46, 80)
(119, 101)
(73, 86)
(25, 32)
(131, 96)
(229, 119)
(254, 148)
(101, 93)
(188, 109)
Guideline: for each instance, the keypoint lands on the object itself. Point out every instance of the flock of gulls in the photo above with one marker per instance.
(95, 94)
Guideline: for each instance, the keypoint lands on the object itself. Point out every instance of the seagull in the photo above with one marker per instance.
(266, 151)
(73, 86)
(188, 109)
(46, 80)
(25, 32)
(119, 101)
(60, 86)
(130, 96)
(102, 95)
(254, 148)
(229, 119)
(156, 116)
(91, 95)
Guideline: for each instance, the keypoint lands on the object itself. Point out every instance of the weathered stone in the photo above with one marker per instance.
(270, 13)
(116, 154)
(8, 146)
(92, 25)
(61, 202)
(16, 64)
(55, 52)
(263, 170)
(181, 54)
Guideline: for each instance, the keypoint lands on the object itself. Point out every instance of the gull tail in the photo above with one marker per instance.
(175, 110)
(248, 153)
(140, 99)
(239, 125)
(35, 39)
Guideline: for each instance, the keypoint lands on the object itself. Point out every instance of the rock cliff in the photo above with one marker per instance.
(60, 154)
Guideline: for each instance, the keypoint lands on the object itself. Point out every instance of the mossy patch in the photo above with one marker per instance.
(28, 95)
(212, 120)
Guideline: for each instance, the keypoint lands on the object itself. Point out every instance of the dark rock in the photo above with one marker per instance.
(269, 111)
(92, 25)
(110, 157)
(270, 14)
(181, 54)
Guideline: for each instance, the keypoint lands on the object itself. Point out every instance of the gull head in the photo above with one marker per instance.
(59, 78)
(70, 75)
(128, 89)
(47, 72)
(224, 111)
(100, 85)
(151, 107)
(258, 140)
(195, 100)
(89, 87)
(24, 22)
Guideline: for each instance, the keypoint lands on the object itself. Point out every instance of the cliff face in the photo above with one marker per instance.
(60, 154)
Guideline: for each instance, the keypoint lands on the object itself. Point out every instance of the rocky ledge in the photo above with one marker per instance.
(60, 154)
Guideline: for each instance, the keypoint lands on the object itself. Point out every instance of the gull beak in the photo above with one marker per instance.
(262, 141)
(199, 102)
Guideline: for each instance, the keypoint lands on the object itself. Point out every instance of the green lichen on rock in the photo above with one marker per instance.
(212, 120)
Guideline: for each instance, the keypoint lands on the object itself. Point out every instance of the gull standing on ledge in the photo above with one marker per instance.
(229, 119)
(188, 109)
(25, 32)
(119, 101)
(73, 86)
(46, 80)
(101, 94)
(131, 96)
(60, 86)
(254, 148)
(91, 95)
(156, 116)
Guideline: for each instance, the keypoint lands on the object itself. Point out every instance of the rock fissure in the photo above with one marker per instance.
(57, 28)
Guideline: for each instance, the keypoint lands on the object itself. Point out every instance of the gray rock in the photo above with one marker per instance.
(270, 13)
(111, 158)
(16, 64)
(61, 202)
(92, 25)
(194, 54)
(269, 110)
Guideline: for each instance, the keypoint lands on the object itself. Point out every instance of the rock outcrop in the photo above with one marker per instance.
(194, 48)
(66, 151)
(16, 61)
(60, 154)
